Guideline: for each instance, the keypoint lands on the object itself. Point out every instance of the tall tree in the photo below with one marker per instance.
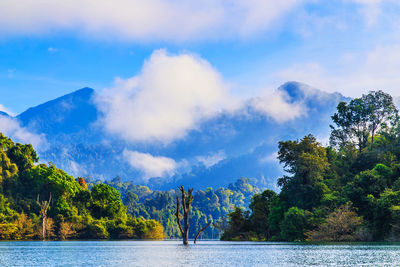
(381, 109)
(361, 118)
(260, 208)
(306, 160)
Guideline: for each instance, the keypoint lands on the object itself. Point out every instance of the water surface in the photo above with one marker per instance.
(205, 253)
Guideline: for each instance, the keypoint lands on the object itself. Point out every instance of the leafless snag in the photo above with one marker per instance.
(186, 199)
(44, 206)
(201, 230)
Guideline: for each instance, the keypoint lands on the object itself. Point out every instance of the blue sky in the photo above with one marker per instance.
(50, 48)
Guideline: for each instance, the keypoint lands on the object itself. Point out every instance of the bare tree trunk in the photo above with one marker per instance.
(44, 206)
(44, 228)
(186, 199)
(201, 230)
(178, 218)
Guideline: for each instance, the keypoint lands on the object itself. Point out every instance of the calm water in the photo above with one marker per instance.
(206, 253)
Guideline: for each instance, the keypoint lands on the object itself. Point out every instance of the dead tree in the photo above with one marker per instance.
(44, 206)
(186, 199)
(201, 230)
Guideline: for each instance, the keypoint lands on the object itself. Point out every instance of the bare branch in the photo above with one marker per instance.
(201, 230)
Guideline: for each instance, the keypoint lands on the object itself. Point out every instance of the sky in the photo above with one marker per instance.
(239, 49)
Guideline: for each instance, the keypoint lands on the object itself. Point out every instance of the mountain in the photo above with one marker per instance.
(5, 114)
(68, 114)
(231, 145)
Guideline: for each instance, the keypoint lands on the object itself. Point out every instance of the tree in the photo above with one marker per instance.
(361, 118)
(186, 198)
(306, 160)
(23, 155)
(294, 224)
(276, 215)
(382, 111)
(106, 202)
(7, 168)
(44, 206)
(237, 225)
(340, 225)
(260, 209)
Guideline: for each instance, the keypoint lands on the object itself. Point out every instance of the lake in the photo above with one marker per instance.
(205, 253)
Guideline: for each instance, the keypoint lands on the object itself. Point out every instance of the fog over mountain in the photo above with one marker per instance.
(218, 149)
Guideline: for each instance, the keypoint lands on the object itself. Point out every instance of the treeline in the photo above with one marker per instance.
(208, 205)
(348, 191)
(41, 201)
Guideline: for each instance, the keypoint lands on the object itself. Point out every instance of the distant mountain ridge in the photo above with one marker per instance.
(233, 145)
(67, 114)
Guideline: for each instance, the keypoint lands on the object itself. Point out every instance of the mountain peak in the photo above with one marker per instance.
(66, 114)
(300, 91)
(297, 91)
(82, 91)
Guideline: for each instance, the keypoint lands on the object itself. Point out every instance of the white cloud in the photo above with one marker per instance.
(212, 159)
(172, 95)
(354, 73)
(149, 165)
(52, 49)
(271, 158)
(11, 128)
(143, 20)
(275, 104)
(369, 9)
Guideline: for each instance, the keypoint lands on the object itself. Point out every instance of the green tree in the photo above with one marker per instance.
(361, 118)
(260, 210)
(307, 162)
(295, 223)
(23, 155)
(106, 202)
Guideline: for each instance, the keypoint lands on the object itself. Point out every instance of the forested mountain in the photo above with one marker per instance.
(223, 149)
(209, 205)
(349, 191)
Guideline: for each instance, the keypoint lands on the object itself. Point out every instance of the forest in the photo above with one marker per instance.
(208, 205)
(39, 201)
(347, 191)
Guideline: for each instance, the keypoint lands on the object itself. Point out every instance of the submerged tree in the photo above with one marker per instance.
(186, 198)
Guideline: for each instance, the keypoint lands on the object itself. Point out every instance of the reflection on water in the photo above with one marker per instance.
(205, 253)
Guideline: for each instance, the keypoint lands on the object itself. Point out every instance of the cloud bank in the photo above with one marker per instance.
(150, 166)
(142, 20)
(11, 128)
(276, 104)
(357, 73)
(212, 159)
(174, 94)
(171, 95)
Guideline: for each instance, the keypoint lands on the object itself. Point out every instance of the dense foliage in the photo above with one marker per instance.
(344, 192)
(208, 205)
(74, 211)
